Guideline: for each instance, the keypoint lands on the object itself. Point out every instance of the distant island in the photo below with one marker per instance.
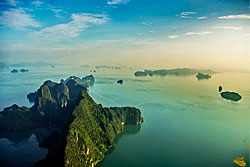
(200, 76)
(111, 67)
(85, 66)
(80, 131)
(177, 72)
(24, 70)
(120, 82)
(85, 81)
(229, 95)
(14, 71)
(7, 65)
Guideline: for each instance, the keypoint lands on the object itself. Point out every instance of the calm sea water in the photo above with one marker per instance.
(187, 123)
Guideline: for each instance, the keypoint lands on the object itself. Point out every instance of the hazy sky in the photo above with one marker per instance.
(138, 33)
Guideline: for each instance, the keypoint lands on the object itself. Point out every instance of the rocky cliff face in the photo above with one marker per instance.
(51, 96)
(84, 83)
(16, 118)
(93, 130)
(87, 129)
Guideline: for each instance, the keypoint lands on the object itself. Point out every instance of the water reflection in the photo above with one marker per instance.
(129, 130)
(26, 152)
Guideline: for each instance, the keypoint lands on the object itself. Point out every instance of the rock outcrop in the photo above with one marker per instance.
(200, 76)
(85, 81)
(120, 82)
(32, 97)
(71, 82)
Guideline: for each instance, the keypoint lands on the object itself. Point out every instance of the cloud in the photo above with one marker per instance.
(240, 16)
(173, 36)
(18, 19)
(147, 23)
(37, 3)
(198, 33)
(201, 18)
(187, 14)
(71, 29)
(57, 12)
(189, 33)
(9, 2)
(116, 2)
(12, 2)
(229, 28)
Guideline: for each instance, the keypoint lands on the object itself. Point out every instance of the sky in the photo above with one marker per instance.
(139, 33)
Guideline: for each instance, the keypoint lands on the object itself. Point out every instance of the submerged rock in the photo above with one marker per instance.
(202, 76)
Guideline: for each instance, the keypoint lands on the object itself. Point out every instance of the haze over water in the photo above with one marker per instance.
(187, 123)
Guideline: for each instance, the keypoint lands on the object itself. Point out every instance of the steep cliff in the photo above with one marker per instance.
(83, 130)
(93, 130)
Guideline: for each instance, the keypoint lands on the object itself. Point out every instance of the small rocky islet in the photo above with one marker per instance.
(22, 70)
(233, 96)
(81, 131)
(200, 76)
(14, 71)
(120, 81)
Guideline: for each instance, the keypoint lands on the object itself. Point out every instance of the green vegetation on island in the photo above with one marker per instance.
(230, 95)
(81, 131)
(70, 82)
(93, 130)
(220, 88)
(177, 72)
(85, 81)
